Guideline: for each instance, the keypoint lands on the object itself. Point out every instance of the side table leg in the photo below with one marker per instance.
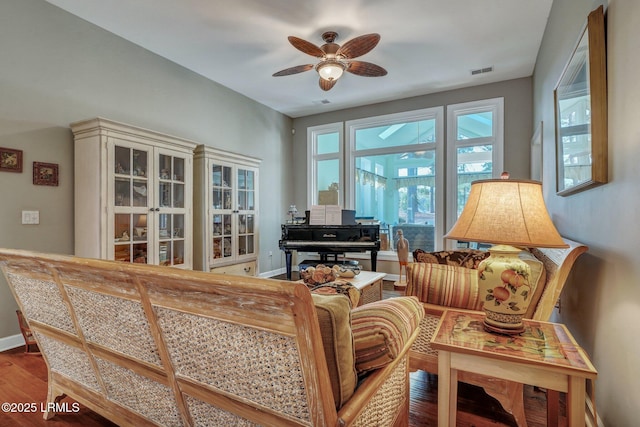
(553, 403)
(575, 402)
(453, 397)
(447, 390)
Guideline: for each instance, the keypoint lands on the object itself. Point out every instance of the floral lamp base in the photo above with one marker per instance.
(499, 327)
(505, 289)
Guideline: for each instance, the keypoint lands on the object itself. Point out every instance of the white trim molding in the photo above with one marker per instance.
(12, 341)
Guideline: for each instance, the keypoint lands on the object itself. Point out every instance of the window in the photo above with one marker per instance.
(394, 171)
(391, 168)
(474, 144)
(325, 166)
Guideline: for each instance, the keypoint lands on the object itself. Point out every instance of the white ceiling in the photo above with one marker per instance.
(426, 46)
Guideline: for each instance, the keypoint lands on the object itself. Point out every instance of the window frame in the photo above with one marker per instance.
(313, 158)
(494, 105)
(352, 126)
(446, 146)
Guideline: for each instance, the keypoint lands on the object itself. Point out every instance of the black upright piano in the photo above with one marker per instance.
(330, 240)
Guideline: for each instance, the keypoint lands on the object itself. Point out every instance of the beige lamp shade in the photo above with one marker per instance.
(507, 212)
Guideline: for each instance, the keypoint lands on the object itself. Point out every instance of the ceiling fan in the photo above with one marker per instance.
(336, 59)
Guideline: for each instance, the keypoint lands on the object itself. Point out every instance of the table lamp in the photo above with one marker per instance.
(141, 226)
(511, 214)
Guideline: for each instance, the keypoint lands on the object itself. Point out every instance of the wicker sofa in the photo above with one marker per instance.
(144, 345)
(449, 279)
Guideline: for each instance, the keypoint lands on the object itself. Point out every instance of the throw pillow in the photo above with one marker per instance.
(381, 330)
(339, 288)
(469, 258)
(334, 318)
(445, 285)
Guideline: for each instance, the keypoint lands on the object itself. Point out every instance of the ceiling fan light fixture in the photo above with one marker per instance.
(330, 69)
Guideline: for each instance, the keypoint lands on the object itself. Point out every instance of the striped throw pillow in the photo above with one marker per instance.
(381, 330)
(445, 285)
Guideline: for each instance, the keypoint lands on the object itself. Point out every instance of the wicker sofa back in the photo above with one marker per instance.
(146, 345)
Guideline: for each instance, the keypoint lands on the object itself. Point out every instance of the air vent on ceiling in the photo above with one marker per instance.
(322, 101)
(482, 70)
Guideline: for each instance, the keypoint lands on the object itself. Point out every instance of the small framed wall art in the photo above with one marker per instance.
(10, 160)
(45, 174)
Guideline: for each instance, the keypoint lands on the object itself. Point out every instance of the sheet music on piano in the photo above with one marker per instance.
(333, 215)
(325, 215)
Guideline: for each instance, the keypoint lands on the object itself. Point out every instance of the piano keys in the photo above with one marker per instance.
(329, 240)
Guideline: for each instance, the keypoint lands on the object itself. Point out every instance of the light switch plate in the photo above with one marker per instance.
(30, 217)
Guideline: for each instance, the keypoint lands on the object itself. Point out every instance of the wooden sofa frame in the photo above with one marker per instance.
(558, 264)
(144, 345)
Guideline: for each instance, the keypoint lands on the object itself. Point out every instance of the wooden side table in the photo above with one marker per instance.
(544, 355)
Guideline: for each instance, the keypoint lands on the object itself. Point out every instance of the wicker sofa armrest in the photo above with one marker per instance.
(384, 388)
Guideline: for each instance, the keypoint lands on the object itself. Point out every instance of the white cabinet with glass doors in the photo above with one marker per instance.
(133, 194)
(226, 209)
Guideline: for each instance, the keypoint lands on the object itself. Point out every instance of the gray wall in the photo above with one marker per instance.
(57, 69)
(601, 302)
(517, 128)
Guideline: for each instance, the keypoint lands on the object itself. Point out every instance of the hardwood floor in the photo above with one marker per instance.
(23, 379)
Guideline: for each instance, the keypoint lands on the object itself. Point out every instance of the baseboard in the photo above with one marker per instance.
(272, 273)
(392, 277)
(13, 341)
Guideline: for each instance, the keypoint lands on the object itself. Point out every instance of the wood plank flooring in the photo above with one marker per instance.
(23, 379)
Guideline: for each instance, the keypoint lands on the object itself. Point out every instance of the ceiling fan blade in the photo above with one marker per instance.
(359, 46)
(293, 70)
(306, 47)
(326, 84)
(366, 69)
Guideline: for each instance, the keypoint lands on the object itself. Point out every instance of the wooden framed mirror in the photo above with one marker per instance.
(581, 112)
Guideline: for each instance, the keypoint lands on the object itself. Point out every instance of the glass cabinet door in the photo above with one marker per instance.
(130, 238)
(171, 239)
(131, 204)
(222, 237)
(246, 235)
(149, 217)
(170, 208)
(222, 209)
(246, 205)
(221, 187)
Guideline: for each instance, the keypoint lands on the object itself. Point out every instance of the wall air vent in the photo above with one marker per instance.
(482, 70)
